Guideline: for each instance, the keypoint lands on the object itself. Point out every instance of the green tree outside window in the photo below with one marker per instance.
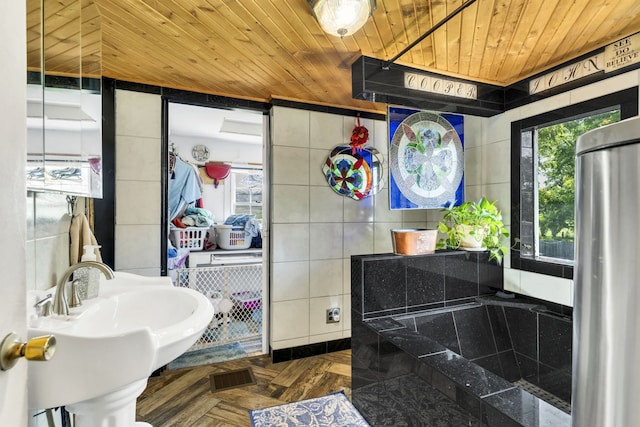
(556, 177)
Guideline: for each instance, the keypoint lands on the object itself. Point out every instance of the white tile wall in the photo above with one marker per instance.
(317, 158)
(325, 278)
(496, 162)
(547, 104)
(52, 255)
(506, 261)
(358, 239)
(358, 210)
(136, 202)
(502, 194)
(289, 165)
(310, 264)
(290, 320)
(149, 272)
(138, 158)
(53, 215)
(548, 288)
(291, 127)
(138, 188)
(326, 130)
(290, 280)
(325, 205)
(346, 276)
(290, 203)
(325, 240)
(473, 164)
(512, 280)
(289, 242)
(137, 246)
(601, 88)
(498, 127)
(382, 235)
(382, 213)
(418, 215)
(378, 138)
(472, 132)
(47, 244)
(138, 114)
(346, 316)
(473, 192)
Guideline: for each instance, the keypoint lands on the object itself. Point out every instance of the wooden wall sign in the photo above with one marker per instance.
(615, 56)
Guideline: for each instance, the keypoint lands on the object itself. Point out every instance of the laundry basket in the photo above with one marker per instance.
(229, 237)
(191, 238)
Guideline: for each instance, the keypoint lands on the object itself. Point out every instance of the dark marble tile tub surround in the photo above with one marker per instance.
(387, 348)
(386, 353)
(505, 337)
(420, 405)
(388, 284)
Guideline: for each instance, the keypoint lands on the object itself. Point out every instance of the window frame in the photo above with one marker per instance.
(231, 195)
(626, 100)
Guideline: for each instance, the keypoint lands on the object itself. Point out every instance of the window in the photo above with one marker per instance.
(552, 189)
(543, 175)
(246, 191)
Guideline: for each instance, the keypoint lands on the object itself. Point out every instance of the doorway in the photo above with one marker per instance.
(214, 222)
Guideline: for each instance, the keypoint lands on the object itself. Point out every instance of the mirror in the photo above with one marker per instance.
(35, 97)
(64, 103)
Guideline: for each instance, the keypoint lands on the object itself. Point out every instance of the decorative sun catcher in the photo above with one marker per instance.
(354, 170)
(426, 158)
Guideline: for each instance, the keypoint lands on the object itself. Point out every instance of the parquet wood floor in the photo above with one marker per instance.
(183, 397)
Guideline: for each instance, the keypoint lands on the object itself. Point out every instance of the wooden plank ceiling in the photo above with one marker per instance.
(264, 49)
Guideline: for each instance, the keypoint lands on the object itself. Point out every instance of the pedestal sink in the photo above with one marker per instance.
(108, 347)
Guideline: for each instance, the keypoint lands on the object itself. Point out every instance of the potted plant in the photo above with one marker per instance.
(474, 226)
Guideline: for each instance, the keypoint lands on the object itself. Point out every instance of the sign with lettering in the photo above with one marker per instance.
(440, 86)
(567, 74)
(615, 56)
(622, 53)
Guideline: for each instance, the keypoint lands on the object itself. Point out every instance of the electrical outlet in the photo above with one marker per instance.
(333, 315)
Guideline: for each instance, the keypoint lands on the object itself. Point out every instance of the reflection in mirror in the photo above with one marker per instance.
(65, 106)
(35, 96)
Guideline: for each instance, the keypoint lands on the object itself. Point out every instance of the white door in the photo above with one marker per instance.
(13, 383)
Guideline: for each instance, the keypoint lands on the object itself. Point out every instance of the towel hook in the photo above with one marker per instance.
(71, 204)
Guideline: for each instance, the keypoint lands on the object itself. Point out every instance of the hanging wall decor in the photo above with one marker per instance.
(426, 160)
(354, 173)
(200, 153)
(359, 136)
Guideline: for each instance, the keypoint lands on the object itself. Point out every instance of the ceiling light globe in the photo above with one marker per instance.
(341, 17)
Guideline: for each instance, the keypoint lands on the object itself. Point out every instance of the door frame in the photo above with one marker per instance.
(201, 100)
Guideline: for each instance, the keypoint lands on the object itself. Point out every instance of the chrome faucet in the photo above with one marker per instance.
(60, 305)
(43, 307)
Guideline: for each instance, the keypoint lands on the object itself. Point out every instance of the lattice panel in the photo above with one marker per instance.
(236, 294)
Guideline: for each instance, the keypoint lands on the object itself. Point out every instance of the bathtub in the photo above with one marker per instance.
(503, 362)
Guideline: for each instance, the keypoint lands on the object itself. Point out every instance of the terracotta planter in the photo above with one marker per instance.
(414, 241)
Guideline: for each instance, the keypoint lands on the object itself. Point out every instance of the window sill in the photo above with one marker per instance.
(564, 271)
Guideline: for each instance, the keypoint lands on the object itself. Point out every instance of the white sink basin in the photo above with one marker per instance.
(136, 325)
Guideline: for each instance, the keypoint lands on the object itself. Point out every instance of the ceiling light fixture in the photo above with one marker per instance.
(342, 17)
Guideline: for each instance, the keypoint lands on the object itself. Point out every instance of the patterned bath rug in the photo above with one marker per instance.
(332, 410)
